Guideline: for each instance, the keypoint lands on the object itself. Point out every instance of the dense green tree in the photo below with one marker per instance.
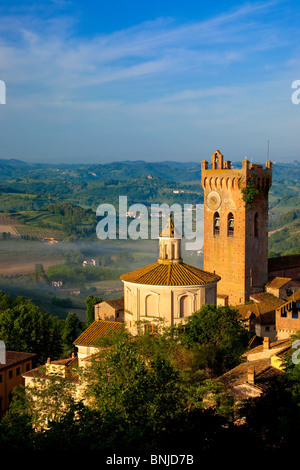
(72, 328)
(24, 327)
(274, 417)
(16, 430)
(125, 385)
(90, 301)
(218, 335)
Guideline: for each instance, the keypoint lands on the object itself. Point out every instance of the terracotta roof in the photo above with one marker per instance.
(264, 304)
(40, 372)
(118, 304)
(168, 274)
(266, 301)
(264, 374)
(96, 330)
(277, 282)
(282, 344)
(15, 357)
(267, 318)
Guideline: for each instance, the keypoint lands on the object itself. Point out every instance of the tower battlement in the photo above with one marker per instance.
(221, 174)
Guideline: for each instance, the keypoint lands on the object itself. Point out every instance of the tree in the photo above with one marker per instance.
(90, 301)
(16, 431)
(274, 417)
(143, 393)
(71, 330)
(23, 327)
(218, 335)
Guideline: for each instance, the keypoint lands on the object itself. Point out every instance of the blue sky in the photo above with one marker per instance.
(98, 81)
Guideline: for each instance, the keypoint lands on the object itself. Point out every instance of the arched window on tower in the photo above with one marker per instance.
(230, 225)
(216, 226)
(256, 225)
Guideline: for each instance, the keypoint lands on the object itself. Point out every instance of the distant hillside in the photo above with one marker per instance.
(28, 187)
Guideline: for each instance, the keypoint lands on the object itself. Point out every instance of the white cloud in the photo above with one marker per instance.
(49, 53)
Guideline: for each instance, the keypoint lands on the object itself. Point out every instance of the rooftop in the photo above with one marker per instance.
(264, 304)
(96, 330)
(180, 274)
(277, 282)
(41, 372)
(283, 344)
(265, 375)
(118, 303)
(15, 357)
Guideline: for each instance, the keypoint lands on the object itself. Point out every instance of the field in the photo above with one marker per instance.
(37, 233)
(21, 257)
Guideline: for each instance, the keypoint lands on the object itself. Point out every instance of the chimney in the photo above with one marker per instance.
(266, 342)
(251, 376)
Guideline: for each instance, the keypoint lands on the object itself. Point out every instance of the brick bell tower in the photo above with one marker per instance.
(236, 226)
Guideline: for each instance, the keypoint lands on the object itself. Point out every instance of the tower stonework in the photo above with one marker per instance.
(236, 226)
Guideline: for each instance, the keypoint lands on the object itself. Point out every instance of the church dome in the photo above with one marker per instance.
(168, 274)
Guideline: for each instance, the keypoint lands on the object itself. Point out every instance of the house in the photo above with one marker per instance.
(15, 364)
(258, 373)
(267, 349)
(110, 310)
(56, 368)
(259, 316)
(250, 380)
(50, 240)
(282, 287)
(287, 316)
(91, 262)
(53, 372)
(87, 343)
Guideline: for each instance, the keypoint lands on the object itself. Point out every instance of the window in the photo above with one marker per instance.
(256, 225)
(185, 306)
(230, 225)
(267, 328)
(216, 223)
(151, 307)
(10, 374)
(294, 313)
(150, 328)
(283, 312)
(18, 370)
